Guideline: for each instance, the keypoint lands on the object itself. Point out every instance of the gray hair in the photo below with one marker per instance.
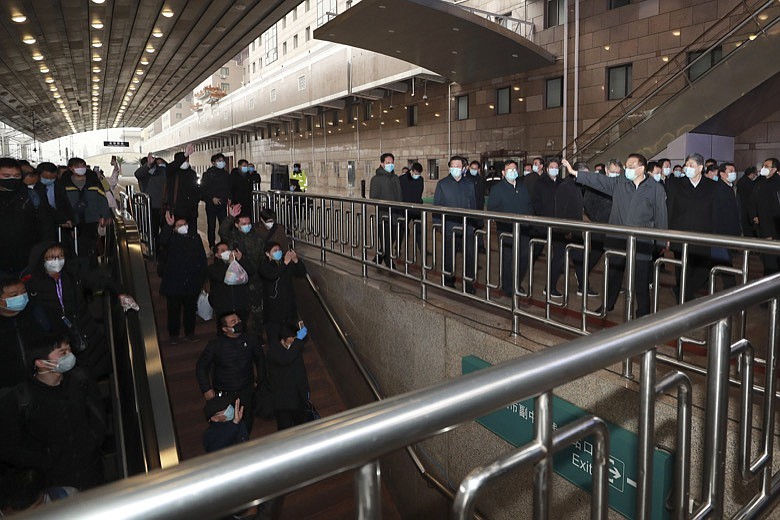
(695, 157)
(614, 162)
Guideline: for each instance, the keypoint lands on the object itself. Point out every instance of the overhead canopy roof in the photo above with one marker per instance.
(439, 36)
(49, 52)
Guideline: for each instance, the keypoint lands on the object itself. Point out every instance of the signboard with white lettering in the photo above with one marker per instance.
(515, 424)
(123, 144)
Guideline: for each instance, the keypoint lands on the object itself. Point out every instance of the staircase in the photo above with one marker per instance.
(739, 89)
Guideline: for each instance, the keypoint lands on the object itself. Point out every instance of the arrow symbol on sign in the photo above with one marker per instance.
(614, 472)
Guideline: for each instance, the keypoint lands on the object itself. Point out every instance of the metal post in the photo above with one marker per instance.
(713, 475)
(516, 274)
(628, 371)
(683, 456)
(543, 471)
(369, 492)
(646, 444)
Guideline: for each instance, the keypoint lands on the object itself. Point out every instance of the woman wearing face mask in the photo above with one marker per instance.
(183, 275)
(225, 296)
(54, 421)
(58, 286)
(277, 271)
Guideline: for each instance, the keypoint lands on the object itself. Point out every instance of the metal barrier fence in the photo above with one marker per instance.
(142, 213)
(212, 485)
(353, 228)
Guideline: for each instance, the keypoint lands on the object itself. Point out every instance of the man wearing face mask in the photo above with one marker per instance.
(386, 186)
(692, 207)
(242, 184)
(182, 193)
(54, 421)
(654, 169)
(765, 209)
(183, 275)
(272, 230)
(224, 296)
(637, 201)
(666, 169)
(728, 222)
(454, 191)
(530, 180)
(90, 208)
(215, 191)
(475, 176)
(154, 176)
(24, 225)
(299, 176)
(54, 193)
(412, 186)
(232, 365)
(279, 303)
(510, 196)
(19, 330)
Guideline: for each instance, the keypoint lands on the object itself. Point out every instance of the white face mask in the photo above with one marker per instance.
(764, 172)
(535, 168)
(225, 255)
(183, 230)
(667, 172)
(268, 225)
(690, 172)
(731, 176)
(80, 171)
(553, 172)
(55, 265)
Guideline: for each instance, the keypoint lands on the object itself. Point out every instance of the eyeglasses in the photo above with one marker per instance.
(57, 257)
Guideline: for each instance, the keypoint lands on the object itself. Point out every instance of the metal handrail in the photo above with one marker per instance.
(213, 484)
(620, 111)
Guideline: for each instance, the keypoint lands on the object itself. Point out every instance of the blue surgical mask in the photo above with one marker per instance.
(690, 172)
(667, 172)
(472, 171)
(511, 175)
(47, 182)
(229, 413)
(277, 255)
(389, 168)
(415, 176)
(715, 178)
(17, 303)
(678, 173)
(535, 168)
(657, 177)
(630, 174)
(251, 169)
(732, 176)
(553, 172)
(220, 164)
(246, 228)
(456, 172)
(63, 364)
(244, 169)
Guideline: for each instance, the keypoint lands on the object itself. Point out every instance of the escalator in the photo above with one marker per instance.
(722, 83)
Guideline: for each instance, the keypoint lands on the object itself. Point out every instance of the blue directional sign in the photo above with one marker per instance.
(515, 424)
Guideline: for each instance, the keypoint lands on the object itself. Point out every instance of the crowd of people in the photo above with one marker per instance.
(699, 196)
(55, 352)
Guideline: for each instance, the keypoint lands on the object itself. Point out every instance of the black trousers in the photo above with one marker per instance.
(699, 265)
(289, 418)
(384, 238)
(87, 237)
(155, 219)
(182, 308)
(506, 264)
(449, 258)
(214, 214)
(414, 228)
(617, 266)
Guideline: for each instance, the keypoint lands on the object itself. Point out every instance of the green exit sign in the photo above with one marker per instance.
(515, 424)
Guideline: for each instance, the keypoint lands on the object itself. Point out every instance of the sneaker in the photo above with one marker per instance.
(553, 294)
(591, 292)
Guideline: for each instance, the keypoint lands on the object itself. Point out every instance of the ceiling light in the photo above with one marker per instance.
(136, 80)
(157, 33)
(96, 57)
(752, 37)
(606, 47)
(129, 94)
(665, 58)
(139, 72)
(95, 87)
(44, 69)
(49, 80)
(19, 18)
(150, 49)
(167, 12)
(97, 24)
(29, 40)
(98, 1)
(57, 95)
(96, 69)
(37, 56)
(97, 43)
(53, 88)
(132, 87)
(144, 61)
(676, 33)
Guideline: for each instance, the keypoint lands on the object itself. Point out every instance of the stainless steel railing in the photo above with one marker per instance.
(217, 483)
(353, 228)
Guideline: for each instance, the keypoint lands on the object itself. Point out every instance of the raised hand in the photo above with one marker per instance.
(566, 164)
(169, 218)
(235, 210)
(150, 160)
(239, 412)
(190, 150)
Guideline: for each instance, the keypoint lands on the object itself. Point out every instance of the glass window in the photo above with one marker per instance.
(367, 111)
(323, 8)
(433, 169)
(224, 71)
(178, 105)
(225, 87)
(704, 64)
(554, 14)
(463, 107)
(295, 41)
(554, 93)
(308, 5)
(295, 13)
(618, 81)
(503, 103)
(270, 44)
(614, 4)
(284, 49)
(308, 33)
(411, 115)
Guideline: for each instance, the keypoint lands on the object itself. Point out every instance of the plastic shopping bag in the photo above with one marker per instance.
(205, 312)
(235, 274)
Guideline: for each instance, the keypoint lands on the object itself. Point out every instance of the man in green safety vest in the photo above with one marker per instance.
(299, 175)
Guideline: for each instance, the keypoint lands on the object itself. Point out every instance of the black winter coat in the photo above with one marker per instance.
(231, 364)
(182, 193)
(22, 227)
(18, 333)
(505, 198)
(241, 187)
(764, 204)
(224, 434)
(185, 263)
(693, 208)
(59, 431)
(745, 194)
(289, 380)
(215, 183)
(597, 205)
(225, 297)
(278, 290)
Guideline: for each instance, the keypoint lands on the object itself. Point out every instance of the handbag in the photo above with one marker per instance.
(205, 311)
(310, 410)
